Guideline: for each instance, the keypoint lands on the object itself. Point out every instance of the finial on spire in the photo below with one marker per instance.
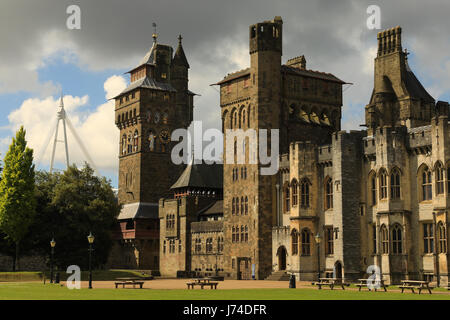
(179, 39)
(154, 35)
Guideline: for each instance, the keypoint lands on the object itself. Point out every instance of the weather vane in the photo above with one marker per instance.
(154, 35)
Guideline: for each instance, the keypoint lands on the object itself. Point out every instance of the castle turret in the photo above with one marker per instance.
(394, 81)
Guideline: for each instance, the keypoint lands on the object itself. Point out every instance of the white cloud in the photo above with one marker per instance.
(96, 128)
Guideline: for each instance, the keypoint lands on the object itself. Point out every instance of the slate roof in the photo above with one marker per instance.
(287, 69)
(414, 87)
(201, 176)
(180, 57)
(213, 208)
(139, 210)
(147, 83)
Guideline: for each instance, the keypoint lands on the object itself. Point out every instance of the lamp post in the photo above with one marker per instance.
(91, 241)
(318, 239)
(52, 252)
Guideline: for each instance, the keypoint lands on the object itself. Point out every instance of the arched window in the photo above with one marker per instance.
(439, 172)
(242, 234)
(384, 239)
(442, 233)
(233, 234)
(397, 240)
(395, 184)
(233, 206)
(383, 184)
(428, 238)
(237, 205)
(306, 244)
(246, 234)
(209, 245)
(242, 206)
(198, 245)
(373, 188)
(220, 244)
(246, 205)
(294, 242)
(426, 184)
(305, 193)
(129, 143)
(287, 198)
(448, 177)
(294, 192)
(329, 194)
(248, 116)
(135, 140)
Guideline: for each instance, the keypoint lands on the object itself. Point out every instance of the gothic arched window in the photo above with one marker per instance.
(294, 192)
(246, 205)
(287, 197)
(294, 242)
(439, 172)
(442, 233)
(329, 194)
(383, 184)
(426, 184)
(306, 243)
(397, 239)
(305, 193)
(384, 239)
(395, 184)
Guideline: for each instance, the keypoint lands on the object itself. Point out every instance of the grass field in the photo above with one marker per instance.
(39, 291)
(100, 275)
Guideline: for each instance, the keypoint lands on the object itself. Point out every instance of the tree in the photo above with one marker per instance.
(17, 201)
(70, 205)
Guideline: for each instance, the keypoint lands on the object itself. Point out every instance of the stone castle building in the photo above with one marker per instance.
(340, 201)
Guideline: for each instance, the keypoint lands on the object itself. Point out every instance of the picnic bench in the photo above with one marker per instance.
(129, 281)
(331, 282)
(415, 284)
(202, 282)
(375, 284)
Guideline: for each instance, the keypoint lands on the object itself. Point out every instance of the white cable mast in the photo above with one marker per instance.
(62, 116)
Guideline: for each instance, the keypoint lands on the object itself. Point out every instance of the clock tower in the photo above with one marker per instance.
(156, 102)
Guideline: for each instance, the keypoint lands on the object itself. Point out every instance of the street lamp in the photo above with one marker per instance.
(318, 239)
(91, 241)
(52, 245)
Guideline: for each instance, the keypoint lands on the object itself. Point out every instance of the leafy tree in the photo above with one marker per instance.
(70, 205)
(17, 201)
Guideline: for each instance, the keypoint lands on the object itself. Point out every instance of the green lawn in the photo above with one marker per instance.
(34, 291)
(100, 275)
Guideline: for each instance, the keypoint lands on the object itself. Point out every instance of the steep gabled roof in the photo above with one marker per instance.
(201, 176)
(414, 87)
(179, 57)
(148, 83)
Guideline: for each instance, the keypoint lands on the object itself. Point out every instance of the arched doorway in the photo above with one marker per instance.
(281, 253)
(338, 270)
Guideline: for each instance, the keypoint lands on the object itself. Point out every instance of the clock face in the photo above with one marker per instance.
(164, 136)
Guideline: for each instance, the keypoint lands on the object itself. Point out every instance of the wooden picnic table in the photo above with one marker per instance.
(415, 284)
(202, 282)
(376, 283)
(331, 282)
(129, 281)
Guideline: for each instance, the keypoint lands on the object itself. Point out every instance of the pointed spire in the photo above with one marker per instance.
(179, 57)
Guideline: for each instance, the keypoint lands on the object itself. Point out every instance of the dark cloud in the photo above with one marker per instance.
(115, 34)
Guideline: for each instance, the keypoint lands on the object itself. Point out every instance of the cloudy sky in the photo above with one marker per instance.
(40, 56)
